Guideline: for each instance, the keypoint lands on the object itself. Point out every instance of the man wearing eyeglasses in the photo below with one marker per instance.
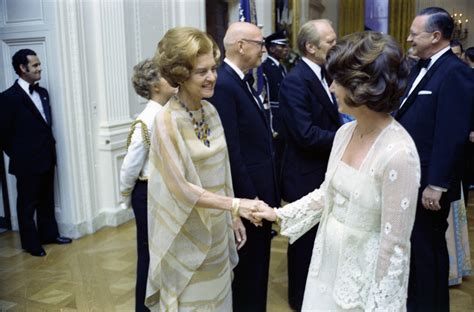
(249, 141)
(436, 111)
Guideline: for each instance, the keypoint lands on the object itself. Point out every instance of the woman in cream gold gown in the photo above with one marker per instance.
(192, 217)
(366, 205)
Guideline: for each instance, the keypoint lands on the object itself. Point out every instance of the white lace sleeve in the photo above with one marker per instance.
(300, 216)
(400, 183)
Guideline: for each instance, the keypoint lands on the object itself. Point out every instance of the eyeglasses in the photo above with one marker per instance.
(412, 34)
(259, 42)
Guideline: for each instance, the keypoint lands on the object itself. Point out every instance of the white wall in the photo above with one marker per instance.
(88, 49)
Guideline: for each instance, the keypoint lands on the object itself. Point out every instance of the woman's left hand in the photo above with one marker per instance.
(239, 232)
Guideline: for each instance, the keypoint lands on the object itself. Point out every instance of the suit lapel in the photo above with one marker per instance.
(45, 102)
(26, 100)
(245, 87)
(321, 94)
(412, 97)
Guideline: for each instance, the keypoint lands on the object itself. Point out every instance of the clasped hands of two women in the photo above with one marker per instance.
(255, 210)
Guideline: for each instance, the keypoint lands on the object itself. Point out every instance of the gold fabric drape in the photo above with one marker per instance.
(401, 14)
(351, 16)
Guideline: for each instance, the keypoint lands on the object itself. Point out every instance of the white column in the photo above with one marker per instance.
(265, 16)
(76, 159)
(94, 98)
(112, 95)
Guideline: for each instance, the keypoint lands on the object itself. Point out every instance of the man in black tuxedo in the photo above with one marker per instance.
(277, 50)
(310, 120)
(436, 111)
(468, 177)
(26, 137)
(249, 141)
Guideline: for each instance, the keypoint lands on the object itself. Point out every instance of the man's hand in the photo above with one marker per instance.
(430, 198)
(239, 232)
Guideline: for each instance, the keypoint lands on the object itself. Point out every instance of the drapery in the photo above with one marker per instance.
(401, 14)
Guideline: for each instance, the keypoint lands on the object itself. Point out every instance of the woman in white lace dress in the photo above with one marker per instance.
(366, 205)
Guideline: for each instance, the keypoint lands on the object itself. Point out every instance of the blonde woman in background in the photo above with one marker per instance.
(134, 172)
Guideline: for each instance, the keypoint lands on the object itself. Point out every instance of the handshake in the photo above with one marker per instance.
(255, 210)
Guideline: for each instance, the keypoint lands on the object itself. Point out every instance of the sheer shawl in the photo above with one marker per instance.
(179, 231)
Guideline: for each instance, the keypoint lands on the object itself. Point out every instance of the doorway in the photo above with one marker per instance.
(5, 216)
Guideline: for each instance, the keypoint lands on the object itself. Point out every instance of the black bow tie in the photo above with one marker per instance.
(423, 63)
(33, 87)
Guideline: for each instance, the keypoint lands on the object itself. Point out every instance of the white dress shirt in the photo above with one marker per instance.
(135, 164)
(35, 97)
(317, 71)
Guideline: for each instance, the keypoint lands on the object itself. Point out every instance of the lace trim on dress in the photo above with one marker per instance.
(300, 216)
(352, 284)
(391, 292)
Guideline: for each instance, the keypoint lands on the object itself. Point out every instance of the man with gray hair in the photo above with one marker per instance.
(249, 141)
(310, 121)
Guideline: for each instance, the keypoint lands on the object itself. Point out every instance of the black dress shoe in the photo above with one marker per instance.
(37, 252)
(59, 240)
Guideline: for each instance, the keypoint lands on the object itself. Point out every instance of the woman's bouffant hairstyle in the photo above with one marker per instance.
(145, 76)
(178, 50)
(372, 67)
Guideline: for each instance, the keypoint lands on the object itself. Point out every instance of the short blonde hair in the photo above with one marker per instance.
(145, 76)
(178, 50)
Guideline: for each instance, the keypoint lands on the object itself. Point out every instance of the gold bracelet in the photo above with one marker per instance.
(235, 207)
(277, 219)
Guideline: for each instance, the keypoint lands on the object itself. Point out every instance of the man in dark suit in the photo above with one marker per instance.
(27, 138)
(436, 111)
(310, 119)
(249, 141)
(277, 49)
(468, 177)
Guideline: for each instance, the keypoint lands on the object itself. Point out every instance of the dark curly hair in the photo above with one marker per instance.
(178, 50)
(371, 66)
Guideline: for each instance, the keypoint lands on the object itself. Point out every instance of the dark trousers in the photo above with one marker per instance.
(468, 171)
(299, 258)
(36, 194)
(249, 287)
(279, 147)
(429, 265)
(139, 205)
